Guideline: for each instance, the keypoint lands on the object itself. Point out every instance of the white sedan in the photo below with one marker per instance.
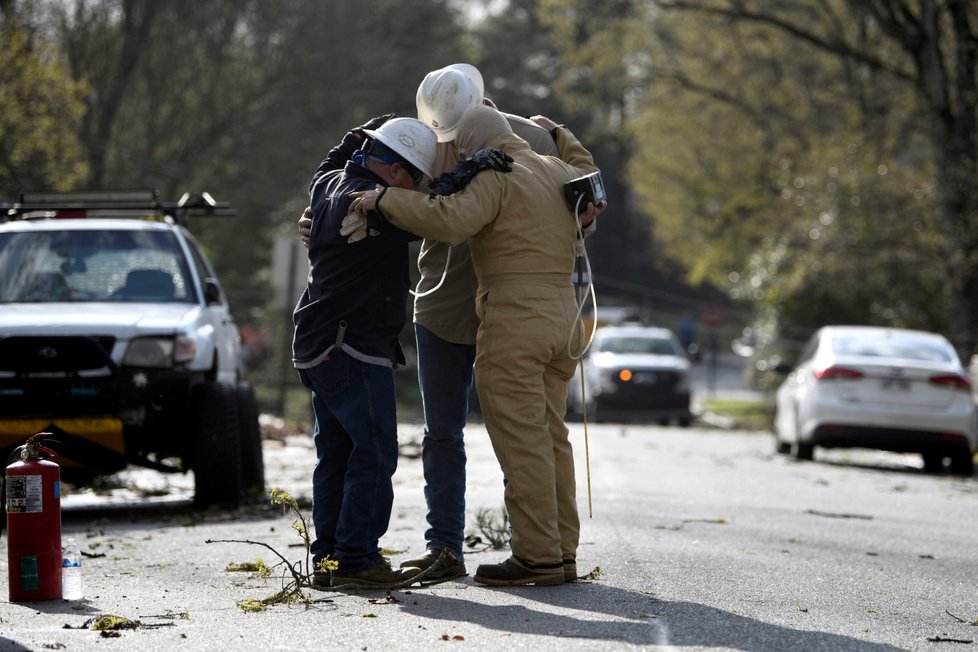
(882, 388)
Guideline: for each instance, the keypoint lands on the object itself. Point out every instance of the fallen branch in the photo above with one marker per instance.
(815, 512)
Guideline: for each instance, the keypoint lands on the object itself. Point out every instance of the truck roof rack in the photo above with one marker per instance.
(131, 204)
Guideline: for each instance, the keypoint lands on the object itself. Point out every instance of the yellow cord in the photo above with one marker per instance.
(587, 448)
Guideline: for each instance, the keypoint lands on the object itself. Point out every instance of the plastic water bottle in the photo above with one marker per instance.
(71, 577)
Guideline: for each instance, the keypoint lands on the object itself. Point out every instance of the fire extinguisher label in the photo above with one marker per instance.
(24, 494)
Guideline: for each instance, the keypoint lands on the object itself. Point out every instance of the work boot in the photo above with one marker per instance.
(446, 565)
(511, 573)
(321, 580)
(378, 576)
(570, 570)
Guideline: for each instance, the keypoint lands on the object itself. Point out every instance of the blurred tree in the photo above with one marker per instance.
(238, 97)
(923, 56)
(817, 156)
(518, 59)
(779, 177)
(40, 111)
(241, 98)
(603, 69)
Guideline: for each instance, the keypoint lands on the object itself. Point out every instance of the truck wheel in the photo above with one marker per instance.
(252, 462)
(216, 445)
(933, 462)
(781, 447)
(804, 451)
(963, 464)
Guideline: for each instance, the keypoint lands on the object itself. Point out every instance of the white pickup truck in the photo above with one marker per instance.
(115, 336)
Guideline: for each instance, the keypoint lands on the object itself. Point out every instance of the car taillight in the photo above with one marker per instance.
(832, 373)
(625, 375)
(952, 380)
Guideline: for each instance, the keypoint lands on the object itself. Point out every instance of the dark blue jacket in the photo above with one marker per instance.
(364, 283)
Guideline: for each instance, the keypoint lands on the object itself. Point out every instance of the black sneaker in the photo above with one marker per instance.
(510, 573)
(443, 563)
(378, 576)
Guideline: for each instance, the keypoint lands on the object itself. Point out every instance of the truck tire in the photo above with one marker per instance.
(216, 445)
(963, 464)
(252, 461)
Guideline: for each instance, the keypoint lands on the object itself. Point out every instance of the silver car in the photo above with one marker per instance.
(881, 388)
(633, 373)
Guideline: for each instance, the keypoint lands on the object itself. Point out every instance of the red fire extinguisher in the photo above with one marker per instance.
(33, 487)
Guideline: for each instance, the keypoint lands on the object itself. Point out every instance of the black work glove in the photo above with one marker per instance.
(372, 123)
(491, 158)
(464, 171)
(339, 155)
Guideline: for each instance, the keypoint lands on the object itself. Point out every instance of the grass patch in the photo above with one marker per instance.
(747, 415)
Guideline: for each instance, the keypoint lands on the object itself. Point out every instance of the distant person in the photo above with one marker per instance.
(687, 336)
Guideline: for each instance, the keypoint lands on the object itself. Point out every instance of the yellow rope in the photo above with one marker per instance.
(587, 448)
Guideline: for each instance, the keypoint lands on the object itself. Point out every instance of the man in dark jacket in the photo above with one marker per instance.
(347, 323)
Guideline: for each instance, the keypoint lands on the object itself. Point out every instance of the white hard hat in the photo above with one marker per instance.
(445, 94)
(411, 139)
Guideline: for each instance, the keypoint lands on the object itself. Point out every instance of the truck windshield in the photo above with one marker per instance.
(70, 266)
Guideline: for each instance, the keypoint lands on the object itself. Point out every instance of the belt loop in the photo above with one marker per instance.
(340, 333)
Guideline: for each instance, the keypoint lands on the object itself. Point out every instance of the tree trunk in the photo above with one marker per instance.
(950, 89)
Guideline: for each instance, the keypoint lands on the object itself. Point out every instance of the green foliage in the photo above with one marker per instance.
(296, 576)
(40, 110)
(785, 174)
(258, 568)
(743, 415)
(603, 67)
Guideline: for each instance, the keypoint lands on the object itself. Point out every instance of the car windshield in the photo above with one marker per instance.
(81, 265)
(625, 344)
(909, 347)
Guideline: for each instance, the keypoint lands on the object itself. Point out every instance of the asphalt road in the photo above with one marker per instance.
(698, 539)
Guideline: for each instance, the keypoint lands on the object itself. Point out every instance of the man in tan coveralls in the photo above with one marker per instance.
(522, 240)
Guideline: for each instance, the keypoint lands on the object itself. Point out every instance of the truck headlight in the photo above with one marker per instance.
(149, 352)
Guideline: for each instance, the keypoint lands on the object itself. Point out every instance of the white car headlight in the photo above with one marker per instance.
(149, 352)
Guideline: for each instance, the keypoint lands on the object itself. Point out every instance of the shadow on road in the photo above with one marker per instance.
(636, 618)
(880, 461)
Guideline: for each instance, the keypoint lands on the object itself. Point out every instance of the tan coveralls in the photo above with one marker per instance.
(449, 312)
(522, 240)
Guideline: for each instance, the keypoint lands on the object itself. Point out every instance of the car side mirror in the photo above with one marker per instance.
(212, 292)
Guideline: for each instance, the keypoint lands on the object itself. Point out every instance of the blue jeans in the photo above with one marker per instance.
(356, 455)
(445, 376)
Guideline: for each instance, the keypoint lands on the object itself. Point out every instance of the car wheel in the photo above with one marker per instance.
(963, 464)
(781, 447)
(804, 451)
(216, 445)
(685, 422)
(252, 462)
(933, 462)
